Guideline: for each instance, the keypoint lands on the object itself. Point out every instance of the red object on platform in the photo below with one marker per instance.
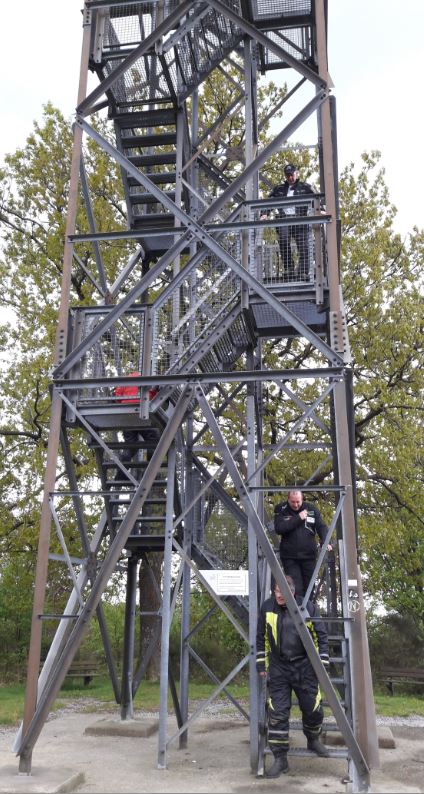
(130, 394)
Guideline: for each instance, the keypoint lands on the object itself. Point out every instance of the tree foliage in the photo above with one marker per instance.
(383, 292)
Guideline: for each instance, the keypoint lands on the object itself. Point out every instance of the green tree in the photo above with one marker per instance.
(34, 185)
(383, 292)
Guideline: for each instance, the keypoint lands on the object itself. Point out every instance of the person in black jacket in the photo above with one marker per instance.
(299, 524)
(281, 657)
(292, 186)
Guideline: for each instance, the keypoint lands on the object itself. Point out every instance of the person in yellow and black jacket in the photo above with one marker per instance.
(281, 657)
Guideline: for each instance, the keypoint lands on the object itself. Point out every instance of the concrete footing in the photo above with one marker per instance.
(386, 740)
(42, 780)
(117, 727)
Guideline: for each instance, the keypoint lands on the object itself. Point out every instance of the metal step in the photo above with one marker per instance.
(153, 501)
(143, 519)
(143, 160)
(146, 542)
(147, 198)
(161, 220)
(145, 118)
(162, 177)
(297, 752)
(142, 141)
(124, 482)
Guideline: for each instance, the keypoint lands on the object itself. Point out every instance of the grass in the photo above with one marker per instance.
(399, 705)
(147, 698)
(100, 690)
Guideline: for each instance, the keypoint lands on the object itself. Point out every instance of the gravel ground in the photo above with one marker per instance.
(216, 758)
(213, 711)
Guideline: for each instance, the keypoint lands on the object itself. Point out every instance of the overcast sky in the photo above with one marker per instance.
(375, 55)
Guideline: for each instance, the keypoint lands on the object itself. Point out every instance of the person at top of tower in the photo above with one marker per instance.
(299, 234)
(282, 659)
(299, 524)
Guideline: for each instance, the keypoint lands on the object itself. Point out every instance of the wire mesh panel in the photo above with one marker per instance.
(288, 253)
(187, 57)
(272, 9)
(297, 42)
(118, 351)
(224, 537)
(125, 27)
(192, 311)
(211, 38)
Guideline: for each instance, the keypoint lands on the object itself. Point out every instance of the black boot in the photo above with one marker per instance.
(316, 746)
(279, 767)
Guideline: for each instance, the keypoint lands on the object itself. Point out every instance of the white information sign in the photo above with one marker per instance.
(225, 582)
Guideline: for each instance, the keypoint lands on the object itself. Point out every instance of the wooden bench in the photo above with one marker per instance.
(401, 675)
(87, 669)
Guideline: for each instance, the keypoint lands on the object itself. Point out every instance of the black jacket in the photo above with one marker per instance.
(298, 536)
(277, 639)
(299, 189)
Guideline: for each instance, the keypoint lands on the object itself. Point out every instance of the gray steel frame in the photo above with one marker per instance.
(203, 233)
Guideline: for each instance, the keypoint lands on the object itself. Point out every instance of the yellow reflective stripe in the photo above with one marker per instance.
(271, 619)
(317, 700)
(312, 632)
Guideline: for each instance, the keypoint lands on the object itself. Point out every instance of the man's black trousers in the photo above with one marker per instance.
(301, 237)
(285, 677)
(301, 572)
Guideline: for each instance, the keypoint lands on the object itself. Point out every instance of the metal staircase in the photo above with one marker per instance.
(193, 301)
(193, 45)
(148, 139)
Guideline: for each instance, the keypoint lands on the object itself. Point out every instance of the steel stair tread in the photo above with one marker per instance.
(158, 139)
(147, 198)
(158, 178)
(145, 118)
(142, 519)
(143, 160)
(297, 752)
(151, 542)
(151, 220)
(152, 501)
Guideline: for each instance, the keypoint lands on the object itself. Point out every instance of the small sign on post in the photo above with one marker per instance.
(226, 582)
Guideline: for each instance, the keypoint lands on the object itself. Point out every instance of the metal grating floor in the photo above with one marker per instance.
(271, 9)
(267, 320)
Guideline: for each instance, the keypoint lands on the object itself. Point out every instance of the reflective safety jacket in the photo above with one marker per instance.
(277, 639)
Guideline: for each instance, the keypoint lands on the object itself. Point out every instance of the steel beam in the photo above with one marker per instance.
(55, 421)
